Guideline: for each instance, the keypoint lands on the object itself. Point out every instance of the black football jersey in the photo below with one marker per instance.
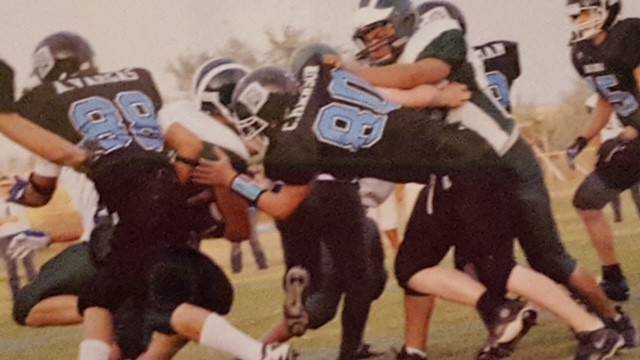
(105, 112)
(502, 67)
(609, 68)
(343, 127)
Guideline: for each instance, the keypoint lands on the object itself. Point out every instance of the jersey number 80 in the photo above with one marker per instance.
(359, 122)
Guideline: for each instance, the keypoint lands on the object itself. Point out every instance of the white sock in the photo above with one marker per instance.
(414, 351)
(94, 350)
(218, 334)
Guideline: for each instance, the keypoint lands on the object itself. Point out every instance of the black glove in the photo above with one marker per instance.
(6, 87)
(575, 149)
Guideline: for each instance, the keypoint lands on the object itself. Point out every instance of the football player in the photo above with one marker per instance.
(436, 51)
(604, 53)
(114, 115)
(328, 256)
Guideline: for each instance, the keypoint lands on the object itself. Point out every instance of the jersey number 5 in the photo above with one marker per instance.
(112, 125)
(624, 102)
(359, 122)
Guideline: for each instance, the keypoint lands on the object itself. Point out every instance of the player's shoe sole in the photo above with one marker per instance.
(296, 282)
(504, 350)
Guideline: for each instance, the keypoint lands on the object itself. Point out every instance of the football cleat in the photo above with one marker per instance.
(296, 282)
(626, 328)
(503, 350)
(404, 355)
(598, 344)
(509, 322)
(278, 352)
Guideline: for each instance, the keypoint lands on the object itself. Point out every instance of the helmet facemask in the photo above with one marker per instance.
(213, 88)
(590, 18)
(383, 25)
(589, 27)
(374, 38)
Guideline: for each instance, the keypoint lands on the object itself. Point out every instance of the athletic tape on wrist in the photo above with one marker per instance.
(247, 188)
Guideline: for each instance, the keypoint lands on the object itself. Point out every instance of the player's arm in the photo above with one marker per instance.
(188, 148)
(40, 141)
(601, 114)
(39, 188)
(279, 203)
(233, 208)
(406, 76)
(22, 131)
(423, 96)
(631, 132)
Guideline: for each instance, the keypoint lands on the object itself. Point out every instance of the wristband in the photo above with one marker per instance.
(244, 186)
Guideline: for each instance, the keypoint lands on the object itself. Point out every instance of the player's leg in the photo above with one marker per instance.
(616, 206)
(349, 249)
(11, 266)
(254, 241)
(538, 234)
(589, 199)
(29, 266)
(301, 237)
(52, 298)
(193, 293)
(635, 196)
(236, 257)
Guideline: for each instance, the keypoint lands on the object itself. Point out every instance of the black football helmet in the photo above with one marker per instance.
(213, 85)
(303, 54)
(604, 14)
(262, 99)
(374, 14)
(61, 55)
(430, 11)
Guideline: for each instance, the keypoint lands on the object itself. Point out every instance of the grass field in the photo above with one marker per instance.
(456, 332)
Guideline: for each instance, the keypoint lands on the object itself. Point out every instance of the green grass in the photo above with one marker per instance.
(456, 331)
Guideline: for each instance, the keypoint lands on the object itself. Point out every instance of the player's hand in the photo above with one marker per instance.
(26, 242)
(574, 150)
(18, 190)
(629, 133)
(452, 95)
(214, 172)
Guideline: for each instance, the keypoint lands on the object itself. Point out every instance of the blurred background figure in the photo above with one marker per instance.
(256, 248)
(379, 199)
(14, 229)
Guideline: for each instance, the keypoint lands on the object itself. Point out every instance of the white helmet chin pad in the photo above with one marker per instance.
(590, 28)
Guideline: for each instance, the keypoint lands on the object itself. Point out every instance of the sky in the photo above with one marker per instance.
(152, 33)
